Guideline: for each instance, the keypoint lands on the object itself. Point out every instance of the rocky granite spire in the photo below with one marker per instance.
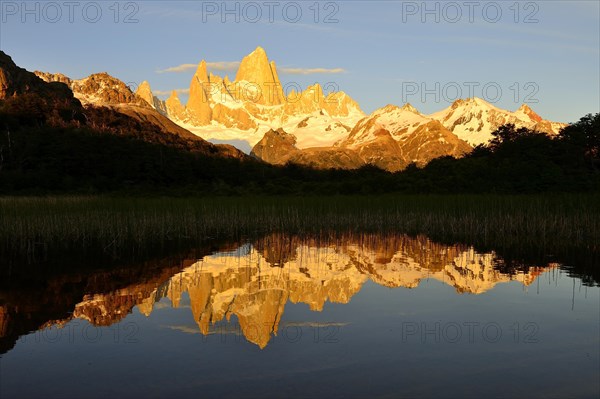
(198, 106)
(145, 93)
(174, 107)
(256, 70)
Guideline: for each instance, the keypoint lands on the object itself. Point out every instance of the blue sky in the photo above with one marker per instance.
(545, 53)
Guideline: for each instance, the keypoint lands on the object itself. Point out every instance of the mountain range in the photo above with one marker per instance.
(309, 128)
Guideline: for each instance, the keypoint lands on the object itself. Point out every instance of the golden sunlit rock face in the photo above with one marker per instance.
(145, 92)
(198, 106)
(174, 106)
(256, 70)
(255, 282)
(255, 101)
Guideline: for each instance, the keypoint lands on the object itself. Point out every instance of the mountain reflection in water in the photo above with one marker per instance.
(254, 281)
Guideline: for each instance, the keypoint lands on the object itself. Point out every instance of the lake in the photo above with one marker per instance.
(294, 315)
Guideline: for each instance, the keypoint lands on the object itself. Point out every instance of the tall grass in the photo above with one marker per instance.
(34, 225)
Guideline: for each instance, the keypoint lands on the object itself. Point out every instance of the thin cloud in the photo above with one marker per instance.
(168, 92)
(178, 68)
(226, 66)
(184, 329)
(196, 330)
(230, 66)
(310, 71)
(313, 324)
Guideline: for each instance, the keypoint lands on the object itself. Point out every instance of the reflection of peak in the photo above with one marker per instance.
(280, 269)
(253, 282)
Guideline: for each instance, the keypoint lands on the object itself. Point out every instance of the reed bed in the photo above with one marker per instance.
(41, 224)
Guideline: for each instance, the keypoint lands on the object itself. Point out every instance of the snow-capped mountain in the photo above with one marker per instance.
(400, 121)
(473, 120)
(419, 138)
(254, 103)
(390, 138)
(393, 137)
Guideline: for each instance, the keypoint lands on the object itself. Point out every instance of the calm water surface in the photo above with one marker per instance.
(284, 317)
